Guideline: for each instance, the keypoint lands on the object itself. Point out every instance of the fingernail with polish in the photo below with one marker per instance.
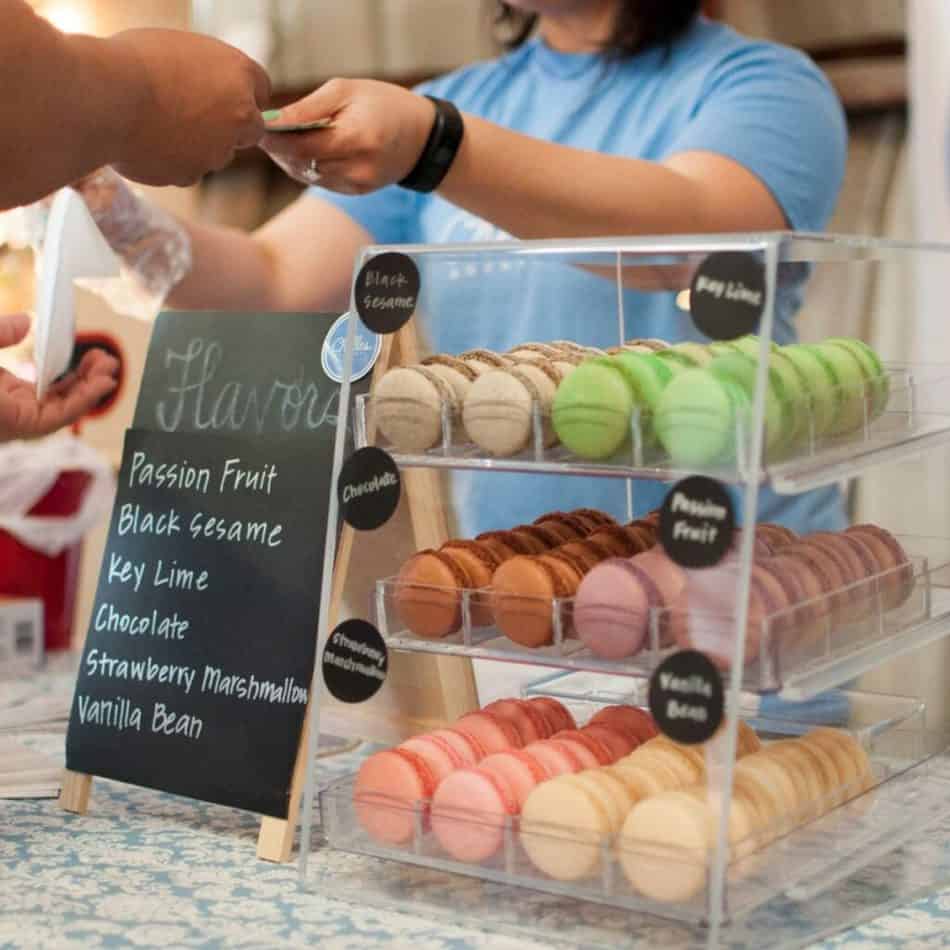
(271, 115)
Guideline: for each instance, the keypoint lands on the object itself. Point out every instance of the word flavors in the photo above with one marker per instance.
(200, 401)
(376, 484)
(729, 290)
(122, 714)
(182, 475)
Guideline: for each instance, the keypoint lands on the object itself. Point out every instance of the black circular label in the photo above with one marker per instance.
(727, 296)
(686, 697)
(368, 489)
(697, 522)
(355, 662)
(387, 291)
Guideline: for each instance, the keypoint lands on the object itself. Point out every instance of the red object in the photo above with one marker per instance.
(28, 573)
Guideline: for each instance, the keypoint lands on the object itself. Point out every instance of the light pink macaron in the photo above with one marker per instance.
(390, 787)
(522, 772)
(493, 732)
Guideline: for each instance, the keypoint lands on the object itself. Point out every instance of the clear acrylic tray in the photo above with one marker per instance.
(914, 419)
(805, 856)
(799, 659)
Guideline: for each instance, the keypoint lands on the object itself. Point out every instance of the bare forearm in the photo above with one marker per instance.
(65, 106)
(536, 189)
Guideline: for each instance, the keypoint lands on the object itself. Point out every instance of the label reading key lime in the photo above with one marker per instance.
(727, 296)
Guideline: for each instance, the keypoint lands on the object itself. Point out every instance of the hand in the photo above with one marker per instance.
(379, 131)
(202, 101)
(23, 416)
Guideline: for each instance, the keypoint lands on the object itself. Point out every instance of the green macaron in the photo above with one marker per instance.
(751, 345)
(853, 379)
(822, 386)
(592, 409)
(647, 377)
(878, 381)
(780, 420)
(697, 352)
(696, 417)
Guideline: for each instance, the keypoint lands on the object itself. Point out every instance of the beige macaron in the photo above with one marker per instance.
(407, 407)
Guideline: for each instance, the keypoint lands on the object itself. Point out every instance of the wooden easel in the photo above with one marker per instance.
(449, 682)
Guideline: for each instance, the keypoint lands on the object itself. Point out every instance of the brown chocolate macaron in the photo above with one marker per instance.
(535, 538)
(588, 556)
(523, 589)
(428, 596)
(896, 582)
(776, 535)
(578, 526)
(619, 539)
(808, 625)
(508, 544)
(592, 514)
(551, 534)
(479, 562)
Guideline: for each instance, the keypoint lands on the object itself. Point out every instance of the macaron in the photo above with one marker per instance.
(896, 580)
(390, 789)
(603, 753)
(638, 723)
(592, 409)
(853, 381)
(557, 759)
(499, 411)
(507, 544)
(483, 361)
(645, 344)
(821, 384)
(428, 595)
(521, 771)
(618, 741)
(647, 376)
(696, 417)
(530, 351)
(558, 715)
(407, 407)
(492, 732)
(469, 811)
(621, 541)
(466, 746)
(663, 847)
(613, 607)
(457, 373)
(697, 352)
(479, 562)
(563, 827)
(572, 527)
(878, 379)
(528, 723)
(523, 591)
(441, 756)
(536, 539)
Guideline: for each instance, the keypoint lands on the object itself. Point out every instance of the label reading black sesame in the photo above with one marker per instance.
(368, 489)
(727, 295)
(387, 291)
(686, 697)
(355, 662)
(697, 522)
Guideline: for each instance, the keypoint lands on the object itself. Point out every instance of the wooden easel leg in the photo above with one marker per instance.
(74, 795)
(275, 842)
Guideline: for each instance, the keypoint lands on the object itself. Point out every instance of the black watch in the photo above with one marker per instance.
(440, 149)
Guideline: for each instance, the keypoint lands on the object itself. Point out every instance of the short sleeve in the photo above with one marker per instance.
(770, 109)
(389, 214)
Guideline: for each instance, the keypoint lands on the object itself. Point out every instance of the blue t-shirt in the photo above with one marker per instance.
(765, 106)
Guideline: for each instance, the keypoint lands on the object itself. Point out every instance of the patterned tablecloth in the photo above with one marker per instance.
(145, 869)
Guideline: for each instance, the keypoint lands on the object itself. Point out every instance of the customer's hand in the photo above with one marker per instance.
(23, 416)
(203, 101)
(378, 133)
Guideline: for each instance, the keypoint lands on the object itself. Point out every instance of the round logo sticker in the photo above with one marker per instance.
(387, 291)
(697, 522)
(355, 662)
(686, 697)
(368, 489)
(366, 349)
(727, 295)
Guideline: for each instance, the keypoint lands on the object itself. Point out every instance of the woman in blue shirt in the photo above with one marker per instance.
(606, 117)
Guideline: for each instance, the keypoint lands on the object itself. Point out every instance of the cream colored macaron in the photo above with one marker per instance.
(407, 407)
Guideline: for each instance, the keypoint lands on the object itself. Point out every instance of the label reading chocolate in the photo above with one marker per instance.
(727, 295)
(368, 489)
(387, 292)
(686, 697)
(697, 522)
(355, 662)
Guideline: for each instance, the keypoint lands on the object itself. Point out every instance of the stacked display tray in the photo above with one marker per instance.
(798, 666)
(911, 791)
(915, 419)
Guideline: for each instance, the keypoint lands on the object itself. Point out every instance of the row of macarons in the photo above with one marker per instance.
(695, 400)
(667, 839)
(802, 591)
(687, 396)
(554, 551)
(513, 740)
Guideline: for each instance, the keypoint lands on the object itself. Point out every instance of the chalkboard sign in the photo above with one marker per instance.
(195, 674)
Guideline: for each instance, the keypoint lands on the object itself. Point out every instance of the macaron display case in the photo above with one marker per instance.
(638, 479)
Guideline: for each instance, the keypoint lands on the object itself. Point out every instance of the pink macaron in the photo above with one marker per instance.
(557, 714)
(526, 723)
(390, 788)
(466, 745)
(557, 758)
(522, 772)
(493, 732)
(598, 749)
(469, 810)
(636, 722)
(618, 741)
(441, 756)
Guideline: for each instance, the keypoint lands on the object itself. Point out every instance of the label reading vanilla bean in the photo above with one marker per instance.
(697, 522)
(368, 489)
(686, 697)
(727, 295)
